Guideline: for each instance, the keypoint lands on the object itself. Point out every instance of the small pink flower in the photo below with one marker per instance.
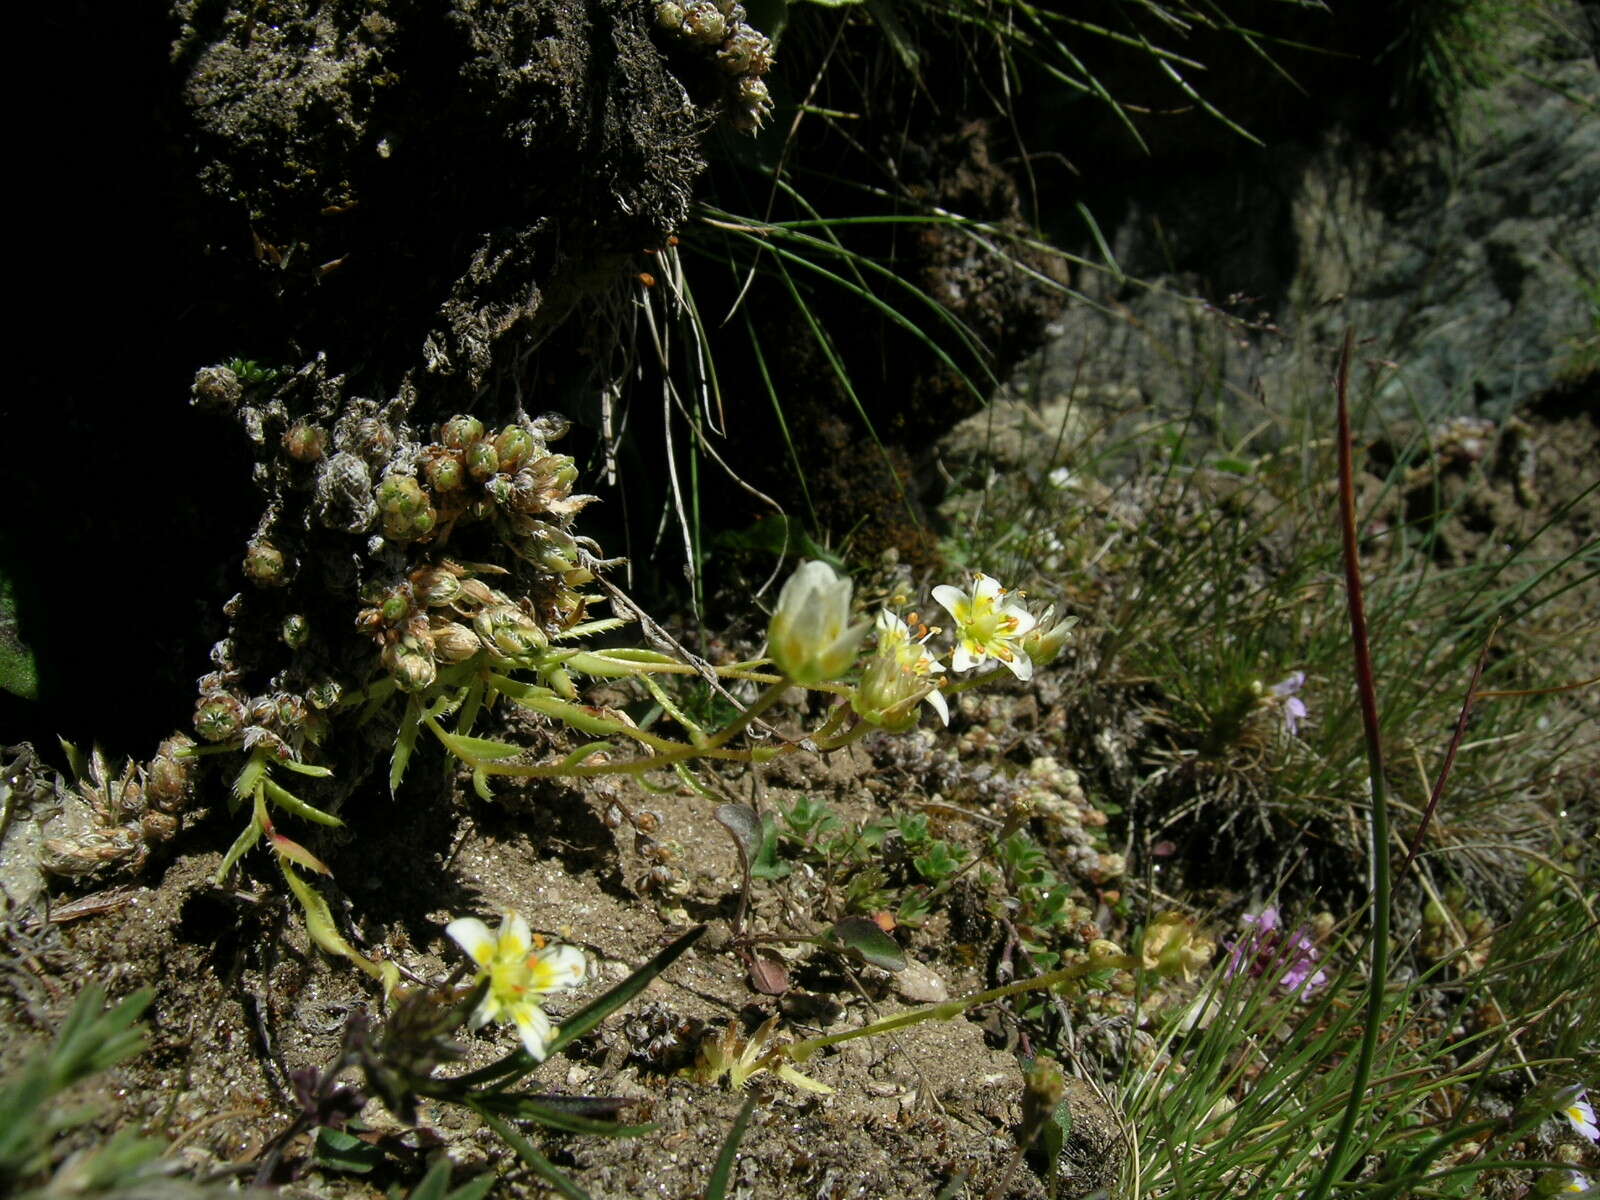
(1266, 949)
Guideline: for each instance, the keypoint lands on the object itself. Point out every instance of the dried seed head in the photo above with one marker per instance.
(435, 586)
(158, 826)
(647, 820)
(613, 817)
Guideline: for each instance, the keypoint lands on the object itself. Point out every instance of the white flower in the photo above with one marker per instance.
(810, 638)
(1580, 1114)
(1576, 1182)
(899, 677)
(520, 971)
(990, 623)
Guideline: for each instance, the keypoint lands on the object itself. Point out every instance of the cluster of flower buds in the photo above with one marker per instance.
(743, 54)
(280, 721)
(442, 614)
(132, 811)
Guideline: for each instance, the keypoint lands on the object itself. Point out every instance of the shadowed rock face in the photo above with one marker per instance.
(421, 189)
(388, 205)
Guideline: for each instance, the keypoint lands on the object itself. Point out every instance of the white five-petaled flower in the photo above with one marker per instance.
(990, 623)
(1580, 1115)
(810, 638)
(1576, 1182)
(520, 971)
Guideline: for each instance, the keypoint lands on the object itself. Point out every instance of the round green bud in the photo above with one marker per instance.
(513, 446)
(324, 695)
(396, 607)
(410, 663)
(219, 717)
(400, 495)
(510, 630)
(296, 630)
(445, 473)
(482, 460)
(422, 524)
(669, 16)
(264, 563)
(460, 431)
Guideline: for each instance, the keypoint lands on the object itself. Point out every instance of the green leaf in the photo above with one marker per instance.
(305, 768)
(557, 1116)
(291, 803)
(339, 1151)
(472, 749)
(246, 839)
(873, 944)
(405, 741)
(767, 865)
(298, 854)
(437, 1179)
(717, 1188)
(250, 777)
(540, 1165)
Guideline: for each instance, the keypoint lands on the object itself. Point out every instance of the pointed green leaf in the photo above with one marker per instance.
(304, 768)
(405, 741)
(540, 1165)
(298, 854)
(291, 803)
(717, 1189)
(250, 776)
(557, 1116)
(242, 843)
(472, 749)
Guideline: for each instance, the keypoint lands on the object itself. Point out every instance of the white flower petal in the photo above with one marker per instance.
(515, 937)
(962, 658)
(953, 599)
(473, 936)
(937, 700)
(556, 969)
(534, 1028)
(1021, 665)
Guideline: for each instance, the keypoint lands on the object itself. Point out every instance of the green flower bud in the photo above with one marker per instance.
(810, 638)
(396, 607)
(482, 460)
(445, 473)
(324, 695)
(264, 564)
(296, 631)
(435, 586)
(509, 630)
(514, 445)
(1043, 642)
(219, 717)
(400, 496)
(669, 16)
(305, 442)
(703, 23)
(459, 432)
(410, 663)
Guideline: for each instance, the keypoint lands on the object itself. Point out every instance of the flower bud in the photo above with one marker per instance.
(435, 586)
(410, 663)
(219, 717)
(482, 460)
(295, 631)
(703, 23)
(513, 446)
(158, 826)
(400, 495)
(264, 564)
(396, 607)
(459, 432)
(453, 642)
(324, 695)
(445, 473)
(1043, 643)
(810, 638)
(305, 442)
(669, 16)
(509, 630)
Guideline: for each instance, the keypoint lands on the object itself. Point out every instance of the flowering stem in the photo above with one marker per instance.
(1334, 1166)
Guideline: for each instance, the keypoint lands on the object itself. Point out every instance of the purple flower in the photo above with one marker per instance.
(1266, 950)
(1294, 708)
